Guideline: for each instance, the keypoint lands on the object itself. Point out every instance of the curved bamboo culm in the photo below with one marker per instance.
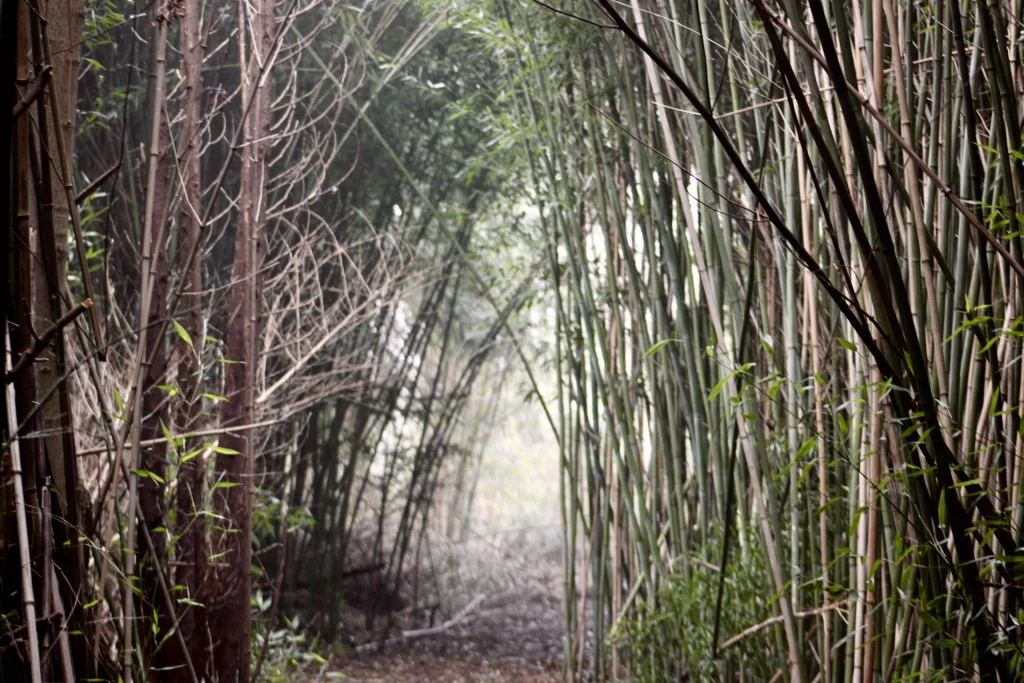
(853, 424)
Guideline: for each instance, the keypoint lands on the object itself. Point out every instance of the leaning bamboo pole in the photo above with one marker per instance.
(24, 550)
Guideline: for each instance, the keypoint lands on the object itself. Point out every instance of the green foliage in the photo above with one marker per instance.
(289, 651)
(101, 18)
(674, 632)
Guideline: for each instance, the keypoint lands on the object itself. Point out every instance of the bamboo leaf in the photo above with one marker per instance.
(183, 333)
(659, 346)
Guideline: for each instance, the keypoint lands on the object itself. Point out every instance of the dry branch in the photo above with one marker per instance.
(463, 616)
(756, 628)
(42, 342)
(35, 89)
(190, 435)
(85, 192)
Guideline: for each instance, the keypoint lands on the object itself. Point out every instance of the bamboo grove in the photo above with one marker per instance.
(784, 245)
(259, 255)
(241, 338)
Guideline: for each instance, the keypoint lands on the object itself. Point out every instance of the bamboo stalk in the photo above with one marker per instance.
(862, 147)
(28, 600)
(140, 353)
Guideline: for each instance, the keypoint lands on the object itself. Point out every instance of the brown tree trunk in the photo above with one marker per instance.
(192, 551)
(191, 531)
(230, 620)
(229, 615)
(18, 313)
(63, 27)
(56, 31)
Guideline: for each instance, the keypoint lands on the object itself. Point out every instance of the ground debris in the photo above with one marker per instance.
(426, 667)
(506, 626)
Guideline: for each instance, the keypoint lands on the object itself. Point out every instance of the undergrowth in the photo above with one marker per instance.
(671, 637)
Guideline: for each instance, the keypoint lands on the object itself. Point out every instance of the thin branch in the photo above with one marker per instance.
(190, 435)
(574, 16)
(756, 628)
(35, 89)
(42, 342)
(91, 187)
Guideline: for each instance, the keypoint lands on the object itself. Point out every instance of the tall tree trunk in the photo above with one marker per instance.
(62, 23)
(192, 550)
(56, 38)
(15, 661)
(230, 620)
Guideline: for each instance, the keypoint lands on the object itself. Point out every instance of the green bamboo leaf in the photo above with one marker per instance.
(183, 333)
(191, 455)
(146, 474)
(174, 441)
(806, 447)
(717, 389)
(988, 345)
(994, 404)
(659, 346)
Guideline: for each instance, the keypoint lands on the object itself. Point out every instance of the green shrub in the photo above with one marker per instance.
(672, 634)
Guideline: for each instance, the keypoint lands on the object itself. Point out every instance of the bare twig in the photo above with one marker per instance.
(207, 432)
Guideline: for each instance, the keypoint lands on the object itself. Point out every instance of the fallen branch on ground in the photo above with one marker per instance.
(459, 618)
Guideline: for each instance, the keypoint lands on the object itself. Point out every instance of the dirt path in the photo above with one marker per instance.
(508, 627)
(512, 637)
(430, 668)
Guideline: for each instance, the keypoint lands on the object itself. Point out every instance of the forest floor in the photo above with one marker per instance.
(500, 619)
